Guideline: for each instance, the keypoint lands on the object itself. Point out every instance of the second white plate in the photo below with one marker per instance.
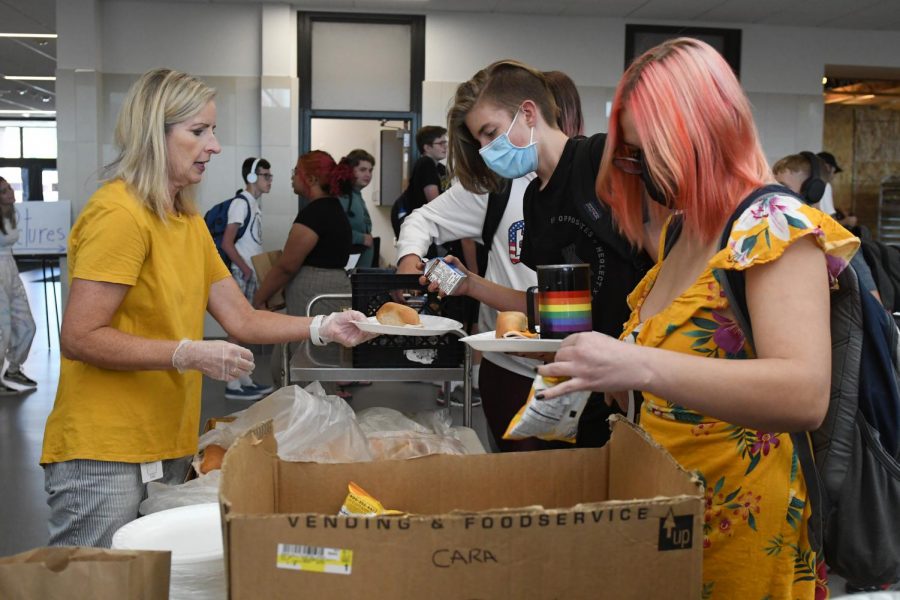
(486, 342)
(431, 325)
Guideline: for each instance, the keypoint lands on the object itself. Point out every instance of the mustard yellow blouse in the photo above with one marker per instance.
(755, 536)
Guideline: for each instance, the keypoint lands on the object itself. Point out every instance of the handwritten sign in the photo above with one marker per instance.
(43, 227)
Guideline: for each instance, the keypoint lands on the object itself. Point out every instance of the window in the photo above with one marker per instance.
(640, 38)
(27, 139)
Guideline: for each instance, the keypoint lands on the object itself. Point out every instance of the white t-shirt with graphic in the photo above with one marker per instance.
(249, 244)
(459, 214)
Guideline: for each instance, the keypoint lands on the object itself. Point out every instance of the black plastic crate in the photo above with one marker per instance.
(371, 289)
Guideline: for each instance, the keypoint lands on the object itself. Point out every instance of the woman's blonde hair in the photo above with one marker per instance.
(506, 84)
(160, 99)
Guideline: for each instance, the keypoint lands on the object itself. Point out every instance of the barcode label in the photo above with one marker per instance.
(316, 559)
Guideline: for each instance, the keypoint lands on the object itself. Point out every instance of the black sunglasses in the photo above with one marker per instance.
(633, 165)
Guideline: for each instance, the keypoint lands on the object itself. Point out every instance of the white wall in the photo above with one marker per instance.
(248, 51)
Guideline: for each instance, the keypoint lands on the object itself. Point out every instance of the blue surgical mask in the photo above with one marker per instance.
(508, 160)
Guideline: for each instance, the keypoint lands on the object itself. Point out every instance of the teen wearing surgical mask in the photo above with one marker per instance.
(503, 124)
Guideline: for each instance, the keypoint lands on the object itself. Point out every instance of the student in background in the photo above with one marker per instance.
(429, 176)
(503, 380)
(682, 134)
(16, 323)
(257, 176)
(354, 205)
(793, 172)
(317, 247)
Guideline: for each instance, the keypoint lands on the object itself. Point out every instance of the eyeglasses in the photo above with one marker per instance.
(266, 176)
(633, 165)
(441, 143)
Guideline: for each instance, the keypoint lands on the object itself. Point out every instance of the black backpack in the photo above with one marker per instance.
(399, 211)
(851, 462)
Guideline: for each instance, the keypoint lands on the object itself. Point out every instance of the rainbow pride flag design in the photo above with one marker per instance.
(565, 312)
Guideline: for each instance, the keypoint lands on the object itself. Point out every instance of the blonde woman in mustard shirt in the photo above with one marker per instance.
(143, 269)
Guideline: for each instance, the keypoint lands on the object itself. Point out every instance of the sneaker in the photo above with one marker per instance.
(5, 390)
(20, 378)
(243, 393)
(260, 388)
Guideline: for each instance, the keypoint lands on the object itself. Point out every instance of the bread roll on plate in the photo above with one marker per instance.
(392, 313)
(512, 324)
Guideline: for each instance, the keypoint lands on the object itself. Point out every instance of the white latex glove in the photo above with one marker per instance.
(217, 359)
(339, 327)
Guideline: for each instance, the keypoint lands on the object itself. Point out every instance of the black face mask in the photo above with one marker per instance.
(656, 194)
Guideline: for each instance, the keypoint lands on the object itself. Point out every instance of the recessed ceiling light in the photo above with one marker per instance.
(29, 77)
(45, 99)
(48, 36)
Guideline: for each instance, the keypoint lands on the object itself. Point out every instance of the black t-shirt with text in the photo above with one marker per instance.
(555, 233)
(327, 218)
(425, 172)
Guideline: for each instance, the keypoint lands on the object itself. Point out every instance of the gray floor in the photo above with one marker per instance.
(23, 520)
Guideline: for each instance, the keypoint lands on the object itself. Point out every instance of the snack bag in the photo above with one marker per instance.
(362, 504)
(555, 419)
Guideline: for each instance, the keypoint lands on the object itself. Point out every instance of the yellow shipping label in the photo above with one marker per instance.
(314, 559)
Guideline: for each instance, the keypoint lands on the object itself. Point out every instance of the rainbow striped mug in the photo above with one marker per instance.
(564, 300)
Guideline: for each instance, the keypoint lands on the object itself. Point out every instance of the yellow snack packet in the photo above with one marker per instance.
(555, 419)
(360, 503)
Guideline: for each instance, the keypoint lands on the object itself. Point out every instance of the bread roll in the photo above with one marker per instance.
(392, 313)
(512, 322)
(212, 458)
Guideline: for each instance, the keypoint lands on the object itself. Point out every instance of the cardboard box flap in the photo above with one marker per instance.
(660, 473)
(442, 483)
(249, 473)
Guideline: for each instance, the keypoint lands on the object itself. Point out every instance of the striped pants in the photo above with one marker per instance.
(90, 499)
(16, 323)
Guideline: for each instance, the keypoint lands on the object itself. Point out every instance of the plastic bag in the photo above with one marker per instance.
(196, 491)
(394, 435)
(321, 428)
(308, 424)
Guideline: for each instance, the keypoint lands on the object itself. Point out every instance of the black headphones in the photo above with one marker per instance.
(813, 188)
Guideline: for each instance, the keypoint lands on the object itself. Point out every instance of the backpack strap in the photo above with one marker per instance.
(243, 228)
(594, 213)
(735, 289)
(496, 206)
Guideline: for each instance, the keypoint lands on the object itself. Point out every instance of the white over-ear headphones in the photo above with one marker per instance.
(252, 176)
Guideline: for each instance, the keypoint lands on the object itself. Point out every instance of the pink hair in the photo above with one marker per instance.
(697, 133)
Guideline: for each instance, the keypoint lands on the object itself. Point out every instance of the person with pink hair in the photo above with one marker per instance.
(682, 139)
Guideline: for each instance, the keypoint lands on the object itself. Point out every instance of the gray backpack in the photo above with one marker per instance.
(851, 462)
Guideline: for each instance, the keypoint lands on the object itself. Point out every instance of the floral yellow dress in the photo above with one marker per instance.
(755, 538)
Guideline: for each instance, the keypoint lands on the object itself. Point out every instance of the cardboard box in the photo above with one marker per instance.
(262, 264)
(623, 521)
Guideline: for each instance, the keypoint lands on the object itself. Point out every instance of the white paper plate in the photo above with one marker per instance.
(486, 342)
(431, 325)
(193, 533)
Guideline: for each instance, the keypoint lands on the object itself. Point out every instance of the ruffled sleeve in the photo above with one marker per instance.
(774, 222)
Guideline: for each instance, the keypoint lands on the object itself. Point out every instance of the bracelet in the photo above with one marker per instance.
(314, 326)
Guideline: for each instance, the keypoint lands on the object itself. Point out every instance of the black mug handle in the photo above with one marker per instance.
(530, 294)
